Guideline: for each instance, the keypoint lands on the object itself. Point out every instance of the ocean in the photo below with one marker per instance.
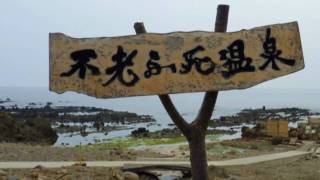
(228, 103)
(188, 104)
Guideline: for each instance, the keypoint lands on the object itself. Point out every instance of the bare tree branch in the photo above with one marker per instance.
(206, 110)
(175, 115)
(210, 98)
(166, 100)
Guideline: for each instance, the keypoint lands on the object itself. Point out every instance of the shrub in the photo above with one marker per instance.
(276, 140)
(140, 132)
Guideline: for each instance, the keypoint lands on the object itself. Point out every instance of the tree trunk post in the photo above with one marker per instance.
(197, 145)
(196, 131)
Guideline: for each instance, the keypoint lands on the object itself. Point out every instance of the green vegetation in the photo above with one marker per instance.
(27, 130)
(124, 143)
(233, 147)
(250, 144)
(218, 149)
(127, 142)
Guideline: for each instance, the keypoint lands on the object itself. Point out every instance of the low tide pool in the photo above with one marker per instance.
(74, 139)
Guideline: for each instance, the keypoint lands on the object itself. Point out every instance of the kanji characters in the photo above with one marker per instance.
(235, 59)
(271, 53)
(82, 57)
(154, 68)
(122, 61)
(197, 62)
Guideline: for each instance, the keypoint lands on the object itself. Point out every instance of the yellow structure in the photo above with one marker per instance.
(4, 115)
(313, 126)
(277, 128)
(314, 122)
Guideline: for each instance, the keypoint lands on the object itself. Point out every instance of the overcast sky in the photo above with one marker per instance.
(25, 26)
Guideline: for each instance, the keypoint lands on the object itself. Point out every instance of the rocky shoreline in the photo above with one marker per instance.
(171, 133)
(18, 121)
(77, 114)
(85, 120)
(29, 130)
(253, 116)
(2, 101)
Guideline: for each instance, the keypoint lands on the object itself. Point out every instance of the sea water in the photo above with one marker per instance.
(188, 104)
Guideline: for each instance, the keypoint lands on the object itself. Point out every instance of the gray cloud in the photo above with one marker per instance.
(25, 25)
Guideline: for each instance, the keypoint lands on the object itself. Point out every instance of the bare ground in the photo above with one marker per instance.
(230, 149)
(215, 150)
(26, 152)
(294, 168)
(303, 168)
(291, 168)
(64, 173)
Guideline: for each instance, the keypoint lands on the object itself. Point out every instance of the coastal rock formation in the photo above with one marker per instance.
(253, 116)
(36, 130)
(79, 114)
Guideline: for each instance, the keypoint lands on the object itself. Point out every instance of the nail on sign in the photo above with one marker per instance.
(178, 62)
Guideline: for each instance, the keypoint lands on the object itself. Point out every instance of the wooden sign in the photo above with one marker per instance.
(151, 63)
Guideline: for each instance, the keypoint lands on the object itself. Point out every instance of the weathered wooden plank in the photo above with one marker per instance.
(180, 61)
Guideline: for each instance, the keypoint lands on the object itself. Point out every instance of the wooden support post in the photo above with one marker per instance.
(196, 131)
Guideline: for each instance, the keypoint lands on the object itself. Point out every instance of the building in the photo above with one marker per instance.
(313, 126)
(314, 122)
(277, 128)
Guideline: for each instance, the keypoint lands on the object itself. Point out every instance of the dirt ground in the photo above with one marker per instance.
(25, 152)
(291, 168)
(64, 173)
(215, 151)
(241, 148)
(222, 150)
(303, 168)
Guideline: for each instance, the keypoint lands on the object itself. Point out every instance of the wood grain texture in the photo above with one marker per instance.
(170, 48)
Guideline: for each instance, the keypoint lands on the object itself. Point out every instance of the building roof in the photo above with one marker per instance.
(314, 121)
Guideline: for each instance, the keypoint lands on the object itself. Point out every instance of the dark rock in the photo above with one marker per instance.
(39, 167)
(35, 130)
(140, 132)
(259, 115)
(276, 140)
